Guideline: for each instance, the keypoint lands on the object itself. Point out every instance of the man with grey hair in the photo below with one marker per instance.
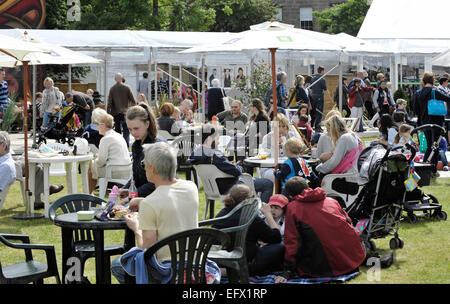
(119, 100)
(171, 208)
(7, 166)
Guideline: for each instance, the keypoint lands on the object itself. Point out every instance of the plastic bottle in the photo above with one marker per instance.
(132, 191)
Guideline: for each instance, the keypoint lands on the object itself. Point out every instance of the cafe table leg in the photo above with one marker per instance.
(46, 188)
(32, 179)
(84, 176)
(100, 264)
(67, 235)
(68, 167)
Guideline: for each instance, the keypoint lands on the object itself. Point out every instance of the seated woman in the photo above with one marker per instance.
(325, 145)
(388, 130)
(261, 259)
(166, 122)
(266, 147)
(112, 150)
(348, 146)
(143, 127)
(259, 123)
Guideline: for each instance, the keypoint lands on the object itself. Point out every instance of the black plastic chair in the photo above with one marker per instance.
(83, 240)
(235, 261)
(189, 250)
(30, 270)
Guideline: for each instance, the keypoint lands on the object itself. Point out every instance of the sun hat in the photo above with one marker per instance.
(278, 200)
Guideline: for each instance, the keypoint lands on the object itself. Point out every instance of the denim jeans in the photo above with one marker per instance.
(117, 270)
(46, 118)
(443, 158)
(264, 186)
(120, 126)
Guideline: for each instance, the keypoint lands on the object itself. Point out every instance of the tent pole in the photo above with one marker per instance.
(156, 84)
(34, 105)
(203, 114)
(340, 85)
(198, 86)
(149, 78)
(170, 82)
(70, 77)
(105, 80)
(137, 79)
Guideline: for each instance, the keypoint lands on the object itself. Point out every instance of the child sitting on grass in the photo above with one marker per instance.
(295, 165)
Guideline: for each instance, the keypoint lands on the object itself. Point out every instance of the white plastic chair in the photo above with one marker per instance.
(208, 175)
(184, 146)
(103, 181)
(348, 199)
(166, 135)
(21, 179)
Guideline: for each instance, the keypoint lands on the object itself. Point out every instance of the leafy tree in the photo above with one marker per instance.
(56, 14)
(346, 17)
(190, 16)
(238, 15)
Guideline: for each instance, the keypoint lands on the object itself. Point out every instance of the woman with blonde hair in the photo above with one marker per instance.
(50, 97)
(347, 147)
(112, 150)
(300, 93)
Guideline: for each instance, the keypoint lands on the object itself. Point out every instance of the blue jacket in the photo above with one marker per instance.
(204, 155)
(134, 264)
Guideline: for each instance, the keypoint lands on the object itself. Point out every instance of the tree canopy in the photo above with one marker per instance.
(172, 15)
(346, 17)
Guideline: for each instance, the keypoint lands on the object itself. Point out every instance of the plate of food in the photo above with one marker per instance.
(117, 213)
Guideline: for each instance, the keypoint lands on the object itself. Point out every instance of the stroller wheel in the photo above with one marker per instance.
(372, 246)
(400, 243)
(394, 243)
(412, 218)
(441, 215)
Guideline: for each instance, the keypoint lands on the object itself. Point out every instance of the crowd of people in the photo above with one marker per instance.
(295, 235)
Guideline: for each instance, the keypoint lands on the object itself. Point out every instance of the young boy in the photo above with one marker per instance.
(295, 165)
(441, 156)
(277, 205)
(303, 122)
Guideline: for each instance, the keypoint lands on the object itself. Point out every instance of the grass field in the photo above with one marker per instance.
(424, 258)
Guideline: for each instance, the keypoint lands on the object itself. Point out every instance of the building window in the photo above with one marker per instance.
(306, 18)
(279, 14)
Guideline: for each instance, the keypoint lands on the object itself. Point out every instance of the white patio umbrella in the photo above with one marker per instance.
(57, 55)
(18, 50)
(270, 36)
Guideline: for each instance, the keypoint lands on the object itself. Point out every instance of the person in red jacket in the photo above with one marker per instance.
(356, 102)
(319, 238)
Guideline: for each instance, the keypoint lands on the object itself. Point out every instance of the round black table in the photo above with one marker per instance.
(69, 223)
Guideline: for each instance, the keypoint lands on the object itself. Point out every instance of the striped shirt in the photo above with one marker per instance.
(4, 93)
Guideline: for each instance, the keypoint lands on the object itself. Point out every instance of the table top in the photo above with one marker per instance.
(70, 220)
(270, 162)
(61, 158)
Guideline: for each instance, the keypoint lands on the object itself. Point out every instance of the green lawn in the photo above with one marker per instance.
(424, 258)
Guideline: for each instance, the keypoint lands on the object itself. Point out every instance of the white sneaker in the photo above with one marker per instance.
(445, 168)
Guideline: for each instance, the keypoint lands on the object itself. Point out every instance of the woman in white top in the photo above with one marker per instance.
(51, 97)
(112, 150)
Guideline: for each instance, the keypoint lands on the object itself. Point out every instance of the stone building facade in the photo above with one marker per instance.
(299, 12)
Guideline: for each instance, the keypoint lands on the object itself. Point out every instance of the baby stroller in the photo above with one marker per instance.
(63, 131)
(377, 210)
(417, 200)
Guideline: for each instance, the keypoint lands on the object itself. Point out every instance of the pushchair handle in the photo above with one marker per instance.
(428, 127)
